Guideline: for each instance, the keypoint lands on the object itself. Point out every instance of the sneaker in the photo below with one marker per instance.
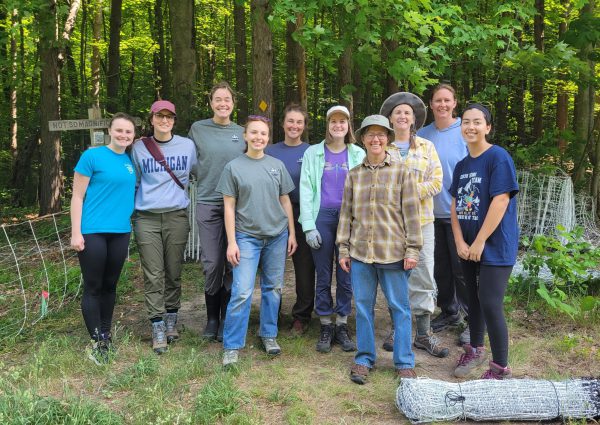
(471, 359)
(159, 337)
(298, 328)
(99, 352)
(408, 373)
(497, 372)
(343, 338)
(359, 373)
(325, 338)
(170, 323)
(271, 346)
(431, 344)
(230, 358)
(388, 343)
(465, 337)
(444, 321)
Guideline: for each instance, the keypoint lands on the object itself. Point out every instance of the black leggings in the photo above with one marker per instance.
(101, 262)
(486, 286)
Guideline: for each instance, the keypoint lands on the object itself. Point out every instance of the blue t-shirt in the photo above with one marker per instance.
(108, 202)
(475, 182)
(335, 171)
(451, 148)
(291, 156)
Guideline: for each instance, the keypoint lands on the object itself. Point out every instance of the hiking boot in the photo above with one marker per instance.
(388, 343)
(343, 338)
(444, 321)
(213, 307)
(99, 352)
(325, 338)
(271, 346)
(170, 323)
(159, 337)
(465, 337)
(230, 358)
(220, 331)
(359, 373)
(471, 359)
(497, 372)
(431, 344)
(225, 297)
(298, 328)
(408, 373)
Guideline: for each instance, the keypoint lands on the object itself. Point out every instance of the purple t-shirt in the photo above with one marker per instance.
(335, 171)
(291, 156)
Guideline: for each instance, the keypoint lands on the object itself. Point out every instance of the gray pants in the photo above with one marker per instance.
(161, 240)
(213, 243)
(421, 284)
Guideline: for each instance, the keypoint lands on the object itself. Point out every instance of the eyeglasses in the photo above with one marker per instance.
(373, 136)
(258, 118)
(161, 117)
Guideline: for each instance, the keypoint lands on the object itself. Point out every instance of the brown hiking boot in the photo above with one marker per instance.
(359, 373)
(431, 344)
(170, 323)
(408, 373)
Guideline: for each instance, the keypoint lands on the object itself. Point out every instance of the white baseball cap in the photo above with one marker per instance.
(338, 108)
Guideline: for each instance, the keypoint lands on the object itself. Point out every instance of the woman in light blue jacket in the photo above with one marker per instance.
(324, 170)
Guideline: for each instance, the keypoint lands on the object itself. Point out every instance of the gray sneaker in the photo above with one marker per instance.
(159, 337)
(171, 322)
(230, 358)
(271, 346)
(465, 337)
(469, 361)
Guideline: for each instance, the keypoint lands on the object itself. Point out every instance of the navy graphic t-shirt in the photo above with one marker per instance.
(474, 184)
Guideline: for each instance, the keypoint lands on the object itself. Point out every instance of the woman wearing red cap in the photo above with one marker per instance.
(163, 162)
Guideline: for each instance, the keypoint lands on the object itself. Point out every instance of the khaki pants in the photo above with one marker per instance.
(161, 240)
(421, 284)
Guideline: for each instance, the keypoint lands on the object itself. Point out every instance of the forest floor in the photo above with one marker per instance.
(45, 376)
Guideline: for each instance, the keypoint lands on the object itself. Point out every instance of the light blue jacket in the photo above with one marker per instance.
(313, 163)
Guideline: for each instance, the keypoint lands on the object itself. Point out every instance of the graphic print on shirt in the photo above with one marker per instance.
(467, 202)
(176, 163)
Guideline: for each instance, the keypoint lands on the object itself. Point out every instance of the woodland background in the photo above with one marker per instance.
(533, 61)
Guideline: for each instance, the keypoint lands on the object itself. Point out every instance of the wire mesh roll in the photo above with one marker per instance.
(428, 400)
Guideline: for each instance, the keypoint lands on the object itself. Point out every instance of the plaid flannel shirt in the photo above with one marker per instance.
(379, 218)
(424, 163)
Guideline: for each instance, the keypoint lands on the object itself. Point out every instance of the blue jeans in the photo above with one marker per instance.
(327, 222)
(269, 254)
(394, 283)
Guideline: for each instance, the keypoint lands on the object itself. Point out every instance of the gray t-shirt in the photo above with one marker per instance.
(257, 184)
(216, 145)
(156, 190)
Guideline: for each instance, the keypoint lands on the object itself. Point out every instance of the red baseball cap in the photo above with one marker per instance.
(159, 105)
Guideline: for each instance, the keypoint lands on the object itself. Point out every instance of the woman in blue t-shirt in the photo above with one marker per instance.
(486, 233)
(101, 207)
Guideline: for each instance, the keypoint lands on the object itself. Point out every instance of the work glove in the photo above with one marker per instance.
(313, 239)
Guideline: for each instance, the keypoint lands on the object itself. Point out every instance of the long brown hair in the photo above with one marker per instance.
(348, 138)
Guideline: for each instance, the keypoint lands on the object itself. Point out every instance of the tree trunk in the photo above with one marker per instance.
(391, 85)
(51, 181)
(262, 60)
(584, 103)
(241, 60)
(301, 67)
(181, 13)
(22, 169)
(114, 57)
(562, 97)
(291, 92)
(96, 66)
(131, 75)
(13, 87)
(345, 79)
(538, 83)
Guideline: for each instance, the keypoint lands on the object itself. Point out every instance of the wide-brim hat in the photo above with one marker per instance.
(379, 120)
(406, 98)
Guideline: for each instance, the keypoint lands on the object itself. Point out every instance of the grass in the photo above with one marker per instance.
(45, 377)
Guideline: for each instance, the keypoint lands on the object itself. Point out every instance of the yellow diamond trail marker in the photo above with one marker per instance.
(263, 105)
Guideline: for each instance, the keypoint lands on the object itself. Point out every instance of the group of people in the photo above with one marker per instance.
(428, 213)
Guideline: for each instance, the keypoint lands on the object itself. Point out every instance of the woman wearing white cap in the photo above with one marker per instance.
(163, 162)
(324, 170)
(407, 114)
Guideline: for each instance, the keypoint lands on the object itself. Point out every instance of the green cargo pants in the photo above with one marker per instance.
(161, 240)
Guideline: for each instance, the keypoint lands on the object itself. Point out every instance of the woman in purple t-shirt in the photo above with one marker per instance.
(324, 170)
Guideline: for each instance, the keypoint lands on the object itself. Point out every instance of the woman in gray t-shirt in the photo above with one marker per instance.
(260, 231)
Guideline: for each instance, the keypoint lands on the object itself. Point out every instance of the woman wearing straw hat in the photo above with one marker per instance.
(324, 170)
(379, 238)
(407, 114)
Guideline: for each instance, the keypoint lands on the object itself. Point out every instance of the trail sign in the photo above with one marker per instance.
(84, 124)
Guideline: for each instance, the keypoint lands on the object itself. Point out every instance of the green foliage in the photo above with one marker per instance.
(569, 258)
(218, 399)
